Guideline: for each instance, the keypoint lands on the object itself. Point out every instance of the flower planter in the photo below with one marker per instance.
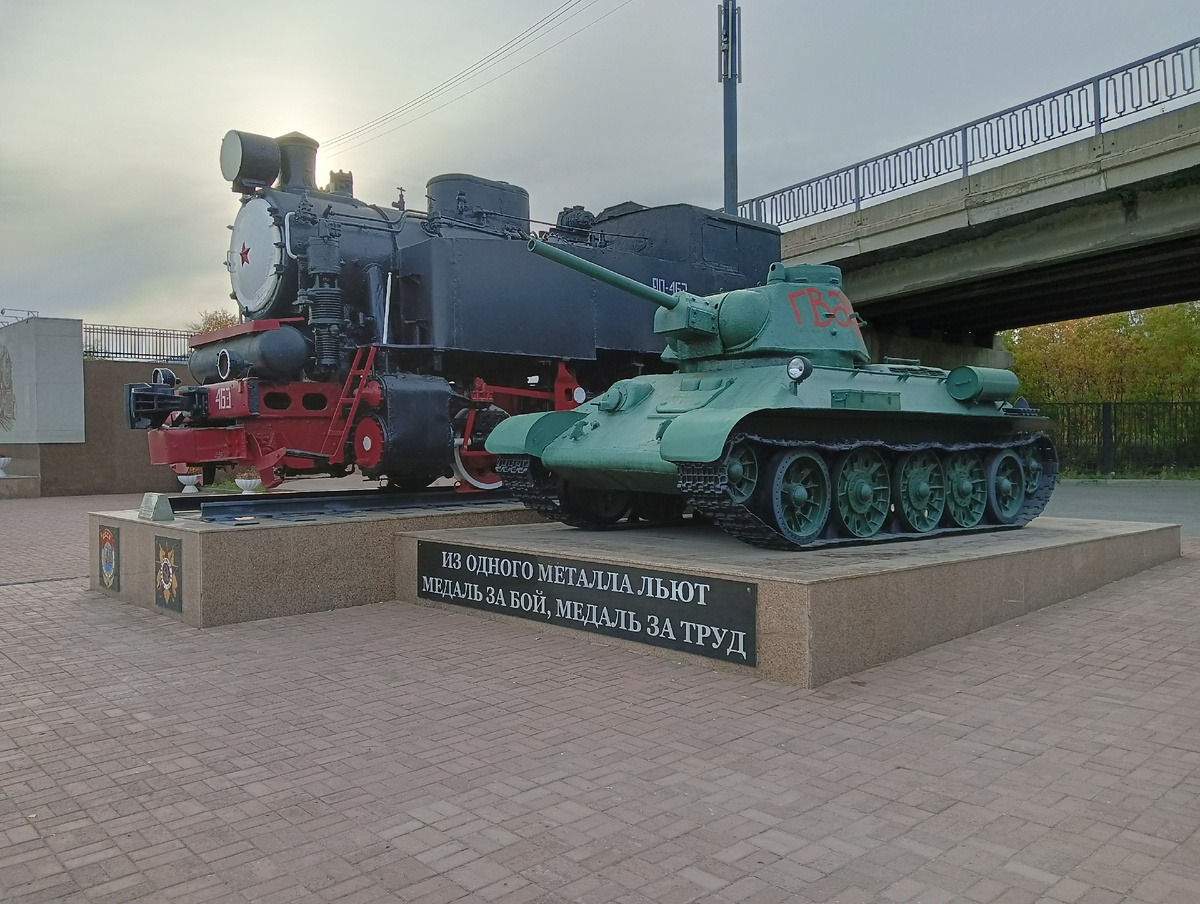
(248, 484)
(4, 462)
(189, 482)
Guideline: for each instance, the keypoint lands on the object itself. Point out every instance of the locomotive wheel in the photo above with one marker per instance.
(1005, 486)
(741, 469)
(473, 466)
(799, 495)
(863, 492)
(966, 488)
(920, 490)
(658, 508)
(477, 470)
(601, 508)
(369, 443)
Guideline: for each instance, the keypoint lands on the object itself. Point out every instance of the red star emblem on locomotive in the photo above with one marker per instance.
(245, 253)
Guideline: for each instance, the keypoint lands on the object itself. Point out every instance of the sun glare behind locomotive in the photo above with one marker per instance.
(394, 340)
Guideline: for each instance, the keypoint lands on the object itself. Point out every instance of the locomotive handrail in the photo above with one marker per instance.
(1154, 80)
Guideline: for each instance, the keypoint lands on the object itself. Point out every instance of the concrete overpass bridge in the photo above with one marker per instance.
(1107, 222)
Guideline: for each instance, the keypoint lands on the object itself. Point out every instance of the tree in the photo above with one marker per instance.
(1151, 354)
(212, 320)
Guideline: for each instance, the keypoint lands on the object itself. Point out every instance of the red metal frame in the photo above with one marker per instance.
(296, 417)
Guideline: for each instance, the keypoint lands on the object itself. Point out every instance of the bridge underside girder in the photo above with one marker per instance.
(1145, 276)
(1110, 223)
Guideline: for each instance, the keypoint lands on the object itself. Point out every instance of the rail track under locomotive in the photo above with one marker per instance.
(392, 341)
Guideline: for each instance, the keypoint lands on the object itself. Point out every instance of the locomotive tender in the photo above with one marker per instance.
(394, 340)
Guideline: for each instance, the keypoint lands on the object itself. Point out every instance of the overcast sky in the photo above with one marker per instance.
(112, 205)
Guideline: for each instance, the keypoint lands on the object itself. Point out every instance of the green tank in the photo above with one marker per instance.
(778, 429)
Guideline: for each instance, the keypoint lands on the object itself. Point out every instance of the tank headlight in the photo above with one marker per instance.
(798, 369)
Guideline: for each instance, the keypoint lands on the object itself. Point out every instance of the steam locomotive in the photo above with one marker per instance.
(394, 340)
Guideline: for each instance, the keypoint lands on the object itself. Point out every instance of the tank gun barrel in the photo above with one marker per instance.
(603, 274)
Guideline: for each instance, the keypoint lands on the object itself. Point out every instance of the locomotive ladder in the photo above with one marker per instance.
(343, 416)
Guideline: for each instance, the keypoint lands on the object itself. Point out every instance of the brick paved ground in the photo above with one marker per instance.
(398, 753)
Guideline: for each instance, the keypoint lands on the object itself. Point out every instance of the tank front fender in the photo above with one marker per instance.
(530, 434)
(700, 436)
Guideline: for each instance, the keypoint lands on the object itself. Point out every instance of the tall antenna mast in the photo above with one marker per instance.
(729, 73)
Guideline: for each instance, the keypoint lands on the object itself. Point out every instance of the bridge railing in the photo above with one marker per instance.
(1138, 87)
(134, 343)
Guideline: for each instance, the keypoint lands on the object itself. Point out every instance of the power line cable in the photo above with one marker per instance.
(407, 122)
(539, 29)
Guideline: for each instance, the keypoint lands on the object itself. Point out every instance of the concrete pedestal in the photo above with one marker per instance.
(19, 487)
(818, 614)
(218, 573)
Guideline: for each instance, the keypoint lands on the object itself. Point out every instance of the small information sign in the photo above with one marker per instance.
(705, 616)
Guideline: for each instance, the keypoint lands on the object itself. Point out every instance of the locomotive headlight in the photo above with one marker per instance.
(799, 369)
(249, 161)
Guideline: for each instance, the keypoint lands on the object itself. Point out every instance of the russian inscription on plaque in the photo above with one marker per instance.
(705, 616)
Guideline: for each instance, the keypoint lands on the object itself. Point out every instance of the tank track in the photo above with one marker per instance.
(521, 479)
(706, 488)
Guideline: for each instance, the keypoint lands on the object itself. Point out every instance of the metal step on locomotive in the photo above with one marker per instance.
(776, 427)
(393, 341)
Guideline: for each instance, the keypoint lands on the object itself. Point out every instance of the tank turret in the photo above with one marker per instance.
(801, 310)
(777, 428)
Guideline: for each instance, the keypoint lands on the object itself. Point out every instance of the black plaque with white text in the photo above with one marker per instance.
(701, 615)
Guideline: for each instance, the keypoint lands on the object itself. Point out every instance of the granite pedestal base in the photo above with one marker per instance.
(218, 573)
(818, 615)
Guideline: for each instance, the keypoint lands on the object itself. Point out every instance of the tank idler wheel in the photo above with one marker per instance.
(862, 492)
(1005, 486)
(658, 508)
(799, 495)
(1031, 461)
(919, 488)
(600, 508)
(966, 488)
(741, 471)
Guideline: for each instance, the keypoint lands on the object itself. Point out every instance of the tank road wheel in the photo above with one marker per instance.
(966, 488)
(741, 471)
(1005, 486)
(800, 495)
(919, 485)
(599, 508)
(862, 492)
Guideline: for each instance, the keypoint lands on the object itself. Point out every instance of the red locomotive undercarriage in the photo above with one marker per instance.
(282, 429)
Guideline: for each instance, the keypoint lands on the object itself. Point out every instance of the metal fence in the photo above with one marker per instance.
(1126, 437)
(134, 343)
(1135, 88)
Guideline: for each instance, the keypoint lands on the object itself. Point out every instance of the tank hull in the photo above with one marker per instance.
(847, 455)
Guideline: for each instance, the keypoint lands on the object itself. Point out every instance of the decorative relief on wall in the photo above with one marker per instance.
(8, 392)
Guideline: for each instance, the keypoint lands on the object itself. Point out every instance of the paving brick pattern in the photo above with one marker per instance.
(401, 753)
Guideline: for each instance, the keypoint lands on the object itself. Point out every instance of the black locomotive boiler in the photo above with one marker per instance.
(393, 340)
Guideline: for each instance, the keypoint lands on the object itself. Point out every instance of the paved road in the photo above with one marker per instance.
(397, 753)
(1169, 501)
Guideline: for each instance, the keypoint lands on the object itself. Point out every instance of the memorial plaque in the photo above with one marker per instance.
(168, 573)
(110, 557)
(705, 616)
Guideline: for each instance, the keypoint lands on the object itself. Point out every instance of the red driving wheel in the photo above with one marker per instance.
(368, 443)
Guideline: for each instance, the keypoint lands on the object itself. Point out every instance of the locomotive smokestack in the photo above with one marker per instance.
(297, 161)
